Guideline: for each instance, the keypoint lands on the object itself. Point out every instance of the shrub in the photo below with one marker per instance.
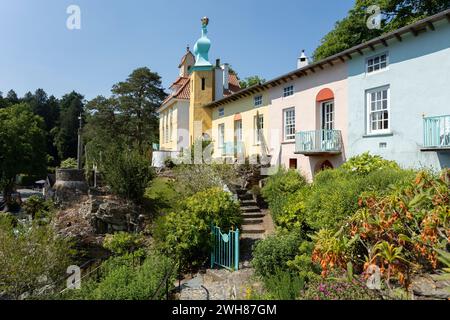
(127, 172)
(367, 163)
(273, 253)
(162, 194)
(302, 264)
(185, 234)
(215, 206)
(123, 242)
(292, 215)
(283, 193)
(38, 208)
(399, 232)
(127, 278)
(382, 180)
(338, 289)
(69, 163)
(282, 183)
(283, 285)
(128, 282)
(199, 177)
(333, 197)
(169, 163)
(334, 194)
(32, 257)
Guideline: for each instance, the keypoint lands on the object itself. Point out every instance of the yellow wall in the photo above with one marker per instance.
(245, 107)
(200, 98)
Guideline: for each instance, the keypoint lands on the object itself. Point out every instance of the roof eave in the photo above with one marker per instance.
(340, 57)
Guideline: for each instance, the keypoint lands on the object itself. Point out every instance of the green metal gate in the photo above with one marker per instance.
(225, 249)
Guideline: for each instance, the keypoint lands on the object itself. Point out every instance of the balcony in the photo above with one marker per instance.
(232, 149)
(318, 142)
(436, 133)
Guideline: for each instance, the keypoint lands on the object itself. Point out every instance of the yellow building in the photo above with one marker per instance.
(240, 127)
(184, 117)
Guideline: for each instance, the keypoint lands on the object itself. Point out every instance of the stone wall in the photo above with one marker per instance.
(70, 185)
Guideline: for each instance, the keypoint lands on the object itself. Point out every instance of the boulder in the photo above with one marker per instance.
(427, 286)
(110, 215)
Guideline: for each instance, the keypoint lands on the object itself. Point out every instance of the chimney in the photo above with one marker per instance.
(303, 61)
(226, 75)
(218, 81)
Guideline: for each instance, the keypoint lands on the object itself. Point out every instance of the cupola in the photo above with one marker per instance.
(201, 49)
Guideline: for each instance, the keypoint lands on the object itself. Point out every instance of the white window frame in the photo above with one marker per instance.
(170, 125)
(291, 124)
(238, 134)
(257, 134)
(288, 91)
(221, 138)
(372, 58)
(369, 110)
(221, 112)
(327, 124)
(258, 101)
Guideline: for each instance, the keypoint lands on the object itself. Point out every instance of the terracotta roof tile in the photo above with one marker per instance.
(184, 90)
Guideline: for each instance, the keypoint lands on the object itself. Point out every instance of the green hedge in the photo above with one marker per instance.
(185, 234)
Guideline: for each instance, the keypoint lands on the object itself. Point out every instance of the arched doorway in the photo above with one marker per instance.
(323, 166)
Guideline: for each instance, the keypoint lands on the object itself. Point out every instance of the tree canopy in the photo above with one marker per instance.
(66, 133)
(22, 145)
(128, 117)
(353, 30)
(251, 81)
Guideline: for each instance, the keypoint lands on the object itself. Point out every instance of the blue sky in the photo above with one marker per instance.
(255, 36)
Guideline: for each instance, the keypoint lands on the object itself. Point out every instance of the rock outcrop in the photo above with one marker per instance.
(427, 286)
(108, 215)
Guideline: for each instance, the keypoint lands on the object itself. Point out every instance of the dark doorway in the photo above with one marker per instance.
(323, 166)
(293, 164)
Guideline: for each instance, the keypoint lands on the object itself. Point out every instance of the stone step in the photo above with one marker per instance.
(253, 236)
(250, 209)
(252, 220)
(252, 228)
(248, 202)
(245, 196)
(253, 215)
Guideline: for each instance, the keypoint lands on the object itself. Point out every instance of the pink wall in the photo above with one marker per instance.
(307, 115)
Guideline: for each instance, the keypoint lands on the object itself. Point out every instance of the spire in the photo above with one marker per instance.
(201, 49)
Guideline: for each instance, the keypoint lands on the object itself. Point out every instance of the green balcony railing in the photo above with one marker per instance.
(436, 132)
(318, 141)
(232, 149)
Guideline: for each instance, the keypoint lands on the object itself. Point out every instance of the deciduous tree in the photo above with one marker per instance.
(22, 145)
(353, 30)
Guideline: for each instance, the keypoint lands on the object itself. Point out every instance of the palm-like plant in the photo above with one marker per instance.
(390, 254)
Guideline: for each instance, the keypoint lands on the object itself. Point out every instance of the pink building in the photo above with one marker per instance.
(308, 117)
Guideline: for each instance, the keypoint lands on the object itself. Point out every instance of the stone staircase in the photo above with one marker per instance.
(253, 224)
(253, 217)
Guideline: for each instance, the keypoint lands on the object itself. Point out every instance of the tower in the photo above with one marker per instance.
(202, 88)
